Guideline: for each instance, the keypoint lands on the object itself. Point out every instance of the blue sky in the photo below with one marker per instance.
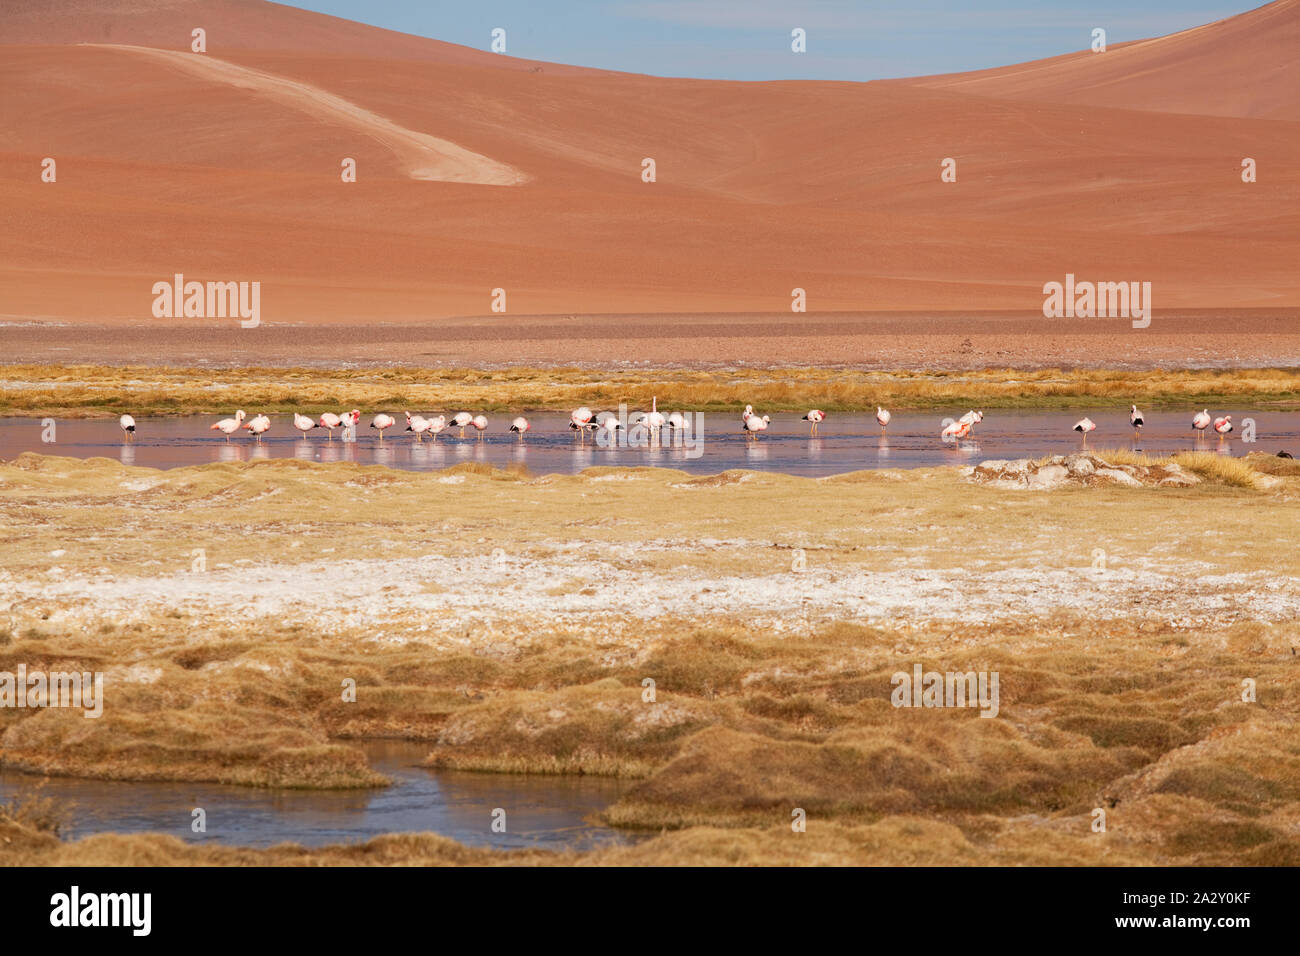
(750, 39)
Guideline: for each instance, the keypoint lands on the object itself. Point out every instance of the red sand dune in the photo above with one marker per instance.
(1245, 66)
(1116, 166)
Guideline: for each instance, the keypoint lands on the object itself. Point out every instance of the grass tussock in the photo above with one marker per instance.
(1273, 465)
(34, 813)
(752, 727)
(1207, 465)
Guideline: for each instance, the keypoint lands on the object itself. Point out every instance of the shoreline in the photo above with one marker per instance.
(875, 342)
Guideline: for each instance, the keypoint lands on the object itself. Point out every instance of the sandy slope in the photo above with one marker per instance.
(423, 156)
(1243, 66)
(762, 188)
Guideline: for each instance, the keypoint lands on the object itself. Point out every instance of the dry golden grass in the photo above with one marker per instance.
(1206, 465)
(92, 390)
(758, 711)
(1273, 465)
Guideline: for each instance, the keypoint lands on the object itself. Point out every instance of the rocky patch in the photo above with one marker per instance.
(1081, 469)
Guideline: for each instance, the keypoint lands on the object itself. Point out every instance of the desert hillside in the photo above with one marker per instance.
(478, 171)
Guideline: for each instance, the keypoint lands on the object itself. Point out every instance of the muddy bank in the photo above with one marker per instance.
(917, 341)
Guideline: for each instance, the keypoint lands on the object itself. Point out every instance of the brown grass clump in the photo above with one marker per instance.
(601, 728)
(1206, 465)
(1273, 465)
(33, 813)
(1234, 472)
(93, 390)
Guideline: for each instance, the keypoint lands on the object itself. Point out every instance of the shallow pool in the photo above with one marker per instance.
(845, 442)
(541, 811)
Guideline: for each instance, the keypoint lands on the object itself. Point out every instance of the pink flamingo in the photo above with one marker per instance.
(258, 426)
(956, 431)
(462, 420)
(329, 421)
(1085, 425)
(229, 425)
(304, 424)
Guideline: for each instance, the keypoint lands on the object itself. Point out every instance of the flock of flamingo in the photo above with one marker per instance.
(417, 424)
(1200, 421)
(583, 420)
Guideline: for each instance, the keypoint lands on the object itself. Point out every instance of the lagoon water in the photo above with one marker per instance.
(542, 811)
(845, 443)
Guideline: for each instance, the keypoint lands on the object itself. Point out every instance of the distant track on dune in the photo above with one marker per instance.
(424, 157)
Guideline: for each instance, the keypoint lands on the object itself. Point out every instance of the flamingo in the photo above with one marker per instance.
(230, 425)
(956, 431)
(1085, 425)
(814, 418)
(972, 417)
(520, 425)
(128, 427)
(609, 425)
(304, 424)
(602, 417)
(1201, 420)
(655, 420)
(350, 420)
(580, 421)
(754, 425)
(462, 421)
(883, 416)
(329, 421)
(583, 428)
(1223, 426)
(676, 420)
(436, 425)
(257, 426)
(1135, 419)
(480, 423)
(382, 421)
(749, 411)
(417, 424)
